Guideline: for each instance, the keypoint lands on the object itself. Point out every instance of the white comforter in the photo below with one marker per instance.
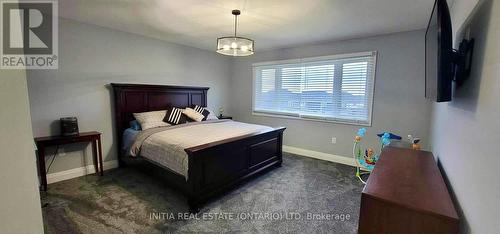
(166, 145)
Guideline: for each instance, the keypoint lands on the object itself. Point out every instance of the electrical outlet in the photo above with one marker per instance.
(61, 152)
(334, 140)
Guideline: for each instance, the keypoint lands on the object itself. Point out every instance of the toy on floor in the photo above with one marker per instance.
(368, 160)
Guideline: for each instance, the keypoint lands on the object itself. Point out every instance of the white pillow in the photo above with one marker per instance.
(152, 119)
(194, 115)
(211, 115)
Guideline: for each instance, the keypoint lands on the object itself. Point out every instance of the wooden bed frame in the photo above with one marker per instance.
(214, 167)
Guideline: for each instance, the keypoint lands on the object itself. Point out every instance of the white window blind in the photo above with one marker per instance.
(331, 88)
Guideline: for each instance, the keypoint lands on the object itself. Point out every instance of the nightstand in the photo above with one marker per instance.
(224, 117)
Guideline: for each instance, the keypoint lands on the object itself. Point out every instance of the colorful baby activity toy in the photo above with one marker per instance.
(367, 159)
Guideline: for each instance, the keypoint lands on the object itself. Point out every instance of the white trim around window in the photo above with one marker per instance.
(335, 88)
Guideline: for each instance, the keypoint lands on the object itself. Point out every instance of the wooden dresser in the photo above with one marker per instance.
(406, 194)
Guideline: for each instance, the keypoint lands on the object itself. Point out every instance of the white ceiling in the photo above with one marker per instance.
(271, 23)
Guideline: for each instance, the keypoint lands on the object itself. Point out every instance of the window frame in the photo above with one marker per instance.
(371, 94)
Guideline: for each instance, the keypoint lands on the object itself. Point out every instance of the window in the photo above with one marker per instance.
(331, 88)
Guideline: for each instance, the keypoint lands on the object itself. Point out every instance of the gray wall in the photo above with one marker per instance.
(20, 210)
(399, 105)
(91, 57)
(466, 131)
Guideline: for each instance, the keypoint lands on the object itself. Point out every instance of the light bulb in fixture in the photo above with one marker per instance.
(234, 45)
(226, 47)
(244, 48)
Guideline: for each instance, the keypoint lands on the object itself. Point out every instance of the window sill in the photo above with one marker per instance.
(311, 119)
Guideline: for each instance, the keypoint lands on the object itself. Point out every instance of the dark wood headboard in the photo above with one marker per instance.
(134, 98)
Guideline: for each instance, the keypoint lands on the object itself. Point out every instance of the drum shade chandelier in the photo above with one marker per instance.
(234, 45)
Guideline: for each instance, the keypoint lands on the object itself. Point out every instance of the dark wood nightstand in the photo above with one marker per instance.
(225, 117)
(43, 142)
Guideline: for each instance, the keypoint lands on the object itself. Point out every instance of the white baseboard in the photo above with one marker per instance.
(77, 172)
(320, 155)
(89, 169)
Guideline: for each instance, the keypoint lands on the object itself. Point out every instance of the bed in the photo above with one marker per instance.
(207, 168)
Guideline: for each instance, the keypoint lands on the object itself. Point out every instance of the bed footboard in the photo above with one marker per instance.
(219, 165)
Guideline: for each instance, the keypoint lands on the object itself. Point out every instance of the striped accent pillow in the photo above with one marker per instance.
(174, 116)
(202, 111)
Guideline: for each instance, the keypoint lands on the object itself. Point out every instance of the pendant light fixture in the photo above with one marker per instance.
(234, 45)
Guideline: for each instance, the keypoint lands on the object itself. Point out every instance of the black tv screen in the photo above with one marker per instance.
(439, 54)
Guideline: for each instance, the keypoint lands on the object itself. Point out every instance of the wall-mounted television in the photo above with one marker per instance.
(443, 64)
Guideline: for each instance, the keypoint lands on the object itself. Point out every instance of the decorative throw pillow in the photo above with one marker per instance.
(194, 115)
(134, 124)
(151, 119)
(174, 116)
(202, 111)
(211, 115)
